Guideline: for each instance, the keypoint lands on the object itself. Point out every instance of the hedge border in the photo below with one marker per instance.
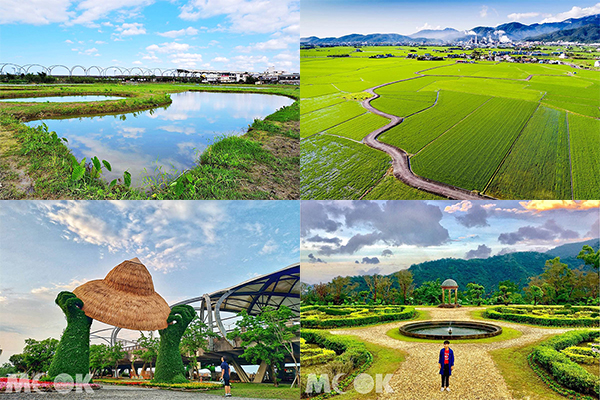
(548, 380)
(548, 356)
(339, 344)
(404, 314)
(493, 313)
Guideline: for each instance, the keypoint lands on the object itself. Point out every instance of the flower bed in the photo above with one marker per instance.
(563, 370)
(323, 317)
(31, 385)
(187, 385)
(547, 315)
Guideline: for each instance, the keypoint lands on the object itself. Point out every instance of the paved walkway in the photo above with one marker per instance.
(475, 376)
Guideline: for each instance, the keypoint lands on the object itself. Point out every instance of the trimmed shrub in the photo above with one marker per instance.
(540, 316)
(357, 316)
(566, 372)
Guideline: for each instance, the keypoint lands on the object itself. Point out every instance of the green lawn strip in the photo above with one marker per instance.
(265, 390)
(385, 361)
(507, 334)
(227, 170)
(521, 380)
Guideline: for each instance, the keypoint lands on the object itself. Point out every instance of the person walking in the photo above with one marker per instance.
(225, 376)
(446, 362)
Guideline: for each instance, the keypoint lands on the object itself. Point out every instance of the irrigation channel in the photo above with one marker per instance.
(164, 140)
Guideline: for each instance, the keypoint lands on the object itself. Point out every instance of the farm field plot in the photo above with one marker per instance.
(335, 168)
(576, 105)
(584, 135)
(481, 69)
(538, 165)
(468, 154)
(316, 103)
(403, 104)
(320, 120)
(308, 91)
(359, 127)
(418, 130)
(391, 188)
(497, 88)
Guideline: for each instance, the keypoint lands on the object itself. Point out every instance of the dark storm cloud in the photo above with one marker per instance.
(482, 251)
(314, 215)
(550, 230)
(394, 223)
(312, 259)
(476, 216)
(386, 253)
(372, 260)
(319, 239)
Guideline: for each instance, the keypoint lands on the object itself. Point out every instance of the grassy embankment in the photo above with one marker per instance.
(37, 164)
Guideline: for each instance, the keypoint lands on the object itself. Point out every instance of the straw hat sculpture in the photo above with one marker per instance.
(125, 298)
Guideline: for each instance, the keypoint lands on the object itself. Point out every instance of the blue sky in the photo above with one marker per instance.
(357, 238)
(189, 247)
(324, 18)
(241, 35)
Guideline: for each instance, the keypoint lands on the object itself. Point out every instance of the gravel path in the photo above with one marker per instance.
(475, 376)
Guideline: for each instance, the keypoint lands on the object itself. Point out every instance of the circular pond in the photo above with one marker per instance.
(445, 330)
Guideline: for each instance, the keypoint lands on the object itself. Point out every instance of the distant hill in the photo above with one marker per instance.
(518, 267)
(512, 31)
(585, 34)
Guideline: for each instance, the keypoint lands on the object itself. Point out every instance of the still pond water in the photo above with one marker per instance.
(63, 99)
(169, 138)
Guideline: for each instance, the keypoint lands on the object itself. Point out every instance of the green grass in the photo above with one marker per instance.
(322, 119)
(521, 380)
(391, 188)
(265, 391)
(584, 134)
(317, 103)
(418, 130)
(359, 127)
(538, 165)
(385, 361)
(507, 334)
(336, 168)
(468, 154)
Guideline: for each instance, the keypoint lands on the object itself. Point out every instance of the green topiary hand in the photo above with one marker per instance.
(169, 365)
(73, 352)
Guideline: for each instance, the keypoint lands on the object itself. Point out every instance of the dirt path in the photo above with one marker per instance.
(475, 376)
(401, 162)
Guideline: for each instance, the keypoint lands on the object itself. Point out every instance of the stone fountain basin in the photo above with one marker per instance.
(438, 330)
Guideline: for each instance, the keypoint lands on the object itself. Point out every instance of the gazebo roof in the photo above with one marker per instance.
(449, 284)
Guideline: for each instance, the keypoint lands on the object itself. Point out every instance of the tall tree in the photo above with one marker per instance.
(116, 354)
(321, 290)
(37, 355)
(475, 292)
(340, 287)
(149, 349)
(405, 283)
(536, 294)
(99, 358)
(590, 257)
(195, 338)
(267, 337)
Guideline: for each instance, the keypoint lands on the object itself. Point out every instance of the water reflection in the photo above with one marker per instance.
(169, 138)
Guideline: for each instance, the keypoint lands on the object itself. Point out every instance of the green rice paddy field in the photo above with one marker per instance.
(508, 130)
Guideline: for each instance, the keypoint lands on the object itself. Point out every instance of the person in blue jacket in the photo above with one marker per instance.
(446, 362)
(225, 376)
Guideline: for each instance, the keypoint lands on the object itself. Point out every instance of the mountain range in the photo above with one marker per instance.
(583, 29)
(517, 267)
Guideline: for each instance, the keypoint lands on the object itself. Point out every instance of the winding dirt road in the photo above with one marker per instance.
(475, 375)
(401, 162)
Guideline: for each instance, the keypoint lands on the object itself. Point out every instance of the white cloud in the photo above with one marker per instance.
(34, 12)
(249, 63)
(55, 288)
(99, 42)
(92, 10)
(137, 63)
(186, 60)
(522, 16)
(427, 26)
(89, 52)
(220, 59)
(172, 47)
(575, 12)
(484, 11)
(246, 16)
(182, 32)
(462, 206)
(69, 41)
(269, 247)
(131, 29)
(279, 43)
